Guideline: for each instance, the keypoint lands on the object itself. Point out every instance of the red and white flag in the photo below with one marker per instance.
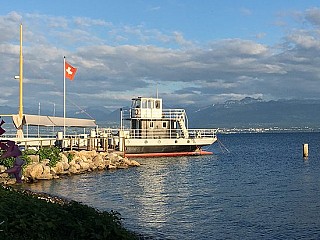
(70, 71)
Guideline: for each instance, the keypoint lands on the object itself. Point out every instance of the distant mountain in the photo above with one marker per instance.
(248, 112)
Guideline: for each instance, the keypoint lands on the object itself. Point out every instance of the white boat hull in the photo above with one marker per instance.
(165, 145)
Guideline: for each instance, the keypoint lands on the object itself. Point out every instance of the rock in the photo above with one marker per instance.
(4, 175)
(53, 171)
(3, 180)
(77, 166)
(34, 171)
(83, 161)
(134, 163)
(2, 169)
(72, 162)
(122, 166)
(64, 158)
(127, 161)
(84, 165)
(45, 177)
(65, 166)
(46, 170)
(101, 166)
(97, 160)
(113, 157)
(92, 166)
(11, 181)
(88, 154)
(111, 167)
(59, 168)
(45, 161)
(73, 170)
(34, 158)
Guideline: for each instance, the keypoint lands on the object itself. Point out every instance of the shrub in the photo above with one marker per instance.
(51, 153)
(26, 158)
(24, 216)
(30, 151)
(7, 162)
(70, 157)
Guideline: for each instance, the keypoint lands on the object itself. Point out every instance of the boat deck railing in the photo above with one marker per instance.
(174, 114)
(171, 134)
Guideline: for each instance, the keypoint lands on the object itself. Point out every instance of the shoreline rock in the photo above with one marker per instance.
(82, 162)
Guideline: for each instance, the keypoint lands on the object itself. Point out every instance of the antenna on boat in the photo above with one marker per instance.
(157, 91)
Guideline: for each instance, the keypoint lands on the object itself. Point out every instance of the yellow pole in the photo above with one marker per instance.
(21, 77)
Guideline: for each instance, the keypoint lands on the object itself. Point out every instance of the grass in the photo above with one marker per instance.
(26, 215)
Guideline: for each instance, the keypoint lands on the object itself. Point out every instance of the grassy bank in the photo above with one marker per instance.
(26, 215)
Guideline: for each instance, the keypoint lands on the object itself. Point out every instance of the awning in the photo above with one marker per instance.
(50, 121)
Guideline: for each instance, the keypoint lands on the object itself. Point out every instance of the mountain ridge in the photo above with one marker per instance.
(247, 112)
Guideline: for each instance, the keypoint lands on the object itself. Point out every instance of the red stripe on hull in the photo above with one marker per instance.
(171, 154)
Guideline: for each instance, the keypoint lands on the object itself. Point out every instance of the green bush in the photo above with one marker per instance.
(7, 162)
(26, 158)
(30, 151)
(51, 153)
(70, 156)
(24, 216)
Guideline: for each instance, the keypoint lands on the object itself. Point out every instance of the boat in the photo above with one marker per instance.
(148, 130)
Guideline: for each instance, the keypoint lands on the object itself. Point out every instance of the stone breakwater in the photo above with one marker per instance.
(81, 162)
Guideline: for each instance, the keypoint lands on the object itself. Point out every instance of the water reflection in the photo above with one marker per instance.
(163, 188)
(163, 193)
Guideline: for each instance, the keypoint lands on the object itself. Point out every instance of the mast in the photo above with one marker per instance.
(21, 78)
(19, 117)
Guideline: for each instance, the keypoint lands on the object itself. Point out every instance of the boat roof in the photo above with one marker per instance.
(137, 98)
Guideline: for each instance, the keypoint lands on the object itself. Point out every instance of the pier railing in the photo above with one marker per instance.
(71, 142)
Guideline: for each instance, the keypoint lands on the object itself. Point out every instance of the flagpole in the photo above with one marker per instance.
(21, 79)
(64, 96)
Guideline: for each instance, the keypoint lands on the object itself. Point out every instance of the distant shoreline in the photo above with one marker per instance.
(268, 130)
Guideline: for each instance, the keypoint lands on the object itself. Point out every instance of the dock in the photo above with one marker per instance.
(77, 142)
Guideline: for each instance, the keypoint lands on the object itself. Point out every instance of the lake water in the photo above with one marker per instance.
(262, 189)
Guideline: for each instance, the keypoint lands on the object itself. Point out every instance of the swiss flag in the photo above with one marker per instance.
(70, 71)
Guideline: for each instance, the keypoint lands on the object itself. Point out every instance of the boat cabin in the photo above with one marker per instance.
(149, 120)
(146, 108)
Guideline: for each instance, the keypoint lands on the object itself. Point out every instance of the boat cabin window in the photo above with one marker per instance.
(157, 104)
(164, 124)
(151, 125)
(150, 103)
(144, 103)
(136, 103)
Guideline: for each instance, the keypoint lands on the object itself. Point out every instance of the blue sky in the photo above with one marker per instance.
(195, 52)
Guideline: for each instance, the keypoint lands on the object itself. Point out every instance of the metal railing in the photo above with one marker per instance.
(170, 133)
(127, 113)
(72, 142)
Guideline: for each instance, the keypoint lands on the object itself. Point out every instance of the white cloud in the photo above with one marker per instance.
(304, 39)
(111, 69)
(313, 15)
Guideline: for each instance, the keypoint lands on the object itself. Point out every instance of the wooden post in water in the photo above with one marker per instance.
(305, 150)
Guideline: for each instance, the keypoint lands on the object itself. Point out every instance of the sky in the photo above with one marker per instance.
(198, 52)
